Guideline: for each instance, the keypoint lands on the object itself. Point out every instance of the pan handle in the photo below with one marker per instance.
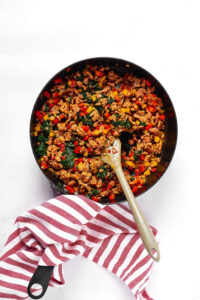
(42, 277)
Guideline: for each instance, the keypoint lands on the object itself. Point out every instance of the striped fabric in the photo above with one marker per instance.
(67, 226)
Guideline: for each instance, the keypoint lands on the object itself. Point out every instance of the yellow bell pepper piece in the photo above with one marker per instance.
(125, 92)
(85, 153)
(130, 164)
(90, 108)
(46, 117)
(123, 110)
(156, 139)
(147, 173)
(93, 97)
(37, 127)
(96, 132)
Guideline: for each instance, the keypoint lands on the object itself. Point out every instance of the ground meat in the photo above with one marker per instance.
(83, 113)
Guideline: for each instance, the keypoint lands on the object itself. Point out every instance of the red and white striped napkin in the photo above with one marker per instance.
(67, 226)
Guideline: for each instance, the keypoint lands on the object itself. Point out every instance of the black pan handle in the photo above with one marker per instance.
(42, 277)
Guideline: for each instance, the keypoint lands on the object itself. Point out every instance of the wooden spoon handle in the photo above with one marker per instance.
(142, 226)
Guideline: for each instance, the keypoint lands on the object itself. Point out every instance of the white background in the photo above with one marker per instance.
(37, 39)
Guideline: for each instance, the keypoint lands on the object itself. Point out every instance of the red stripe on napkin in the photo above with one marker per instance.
(68, 226)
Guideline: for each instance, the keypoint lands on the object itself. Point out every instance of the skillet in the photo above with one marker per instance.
(43, 274)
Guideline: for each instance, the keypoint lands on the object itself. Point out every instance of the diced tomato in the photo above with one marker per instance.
(58, 80)
(162, 117)
(148, 126)
(47, 94)
(148, 83)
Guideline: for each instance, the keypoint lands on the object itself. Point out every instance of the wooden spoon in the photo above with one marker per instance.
(112, 156)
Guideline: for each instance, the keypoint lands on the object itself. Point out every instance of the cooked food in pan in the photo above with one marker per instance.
(84, 111)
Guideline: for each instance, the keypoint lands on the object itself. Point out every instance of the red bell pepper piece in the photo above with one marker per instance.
(47, 94)
(58, 80)
(55, 121)
(135, 189)
(70, 189)
(107, 115)
(148, 126)
(148, 83)
(162, 117)
(77, 150)
(151, 109)
(44, 165)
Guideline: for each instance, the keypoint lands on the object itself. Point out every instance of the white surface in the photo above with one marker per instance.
(37, 39)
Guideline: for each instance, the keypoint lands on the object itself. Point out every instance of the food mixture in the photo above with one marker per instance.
(85, 111)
